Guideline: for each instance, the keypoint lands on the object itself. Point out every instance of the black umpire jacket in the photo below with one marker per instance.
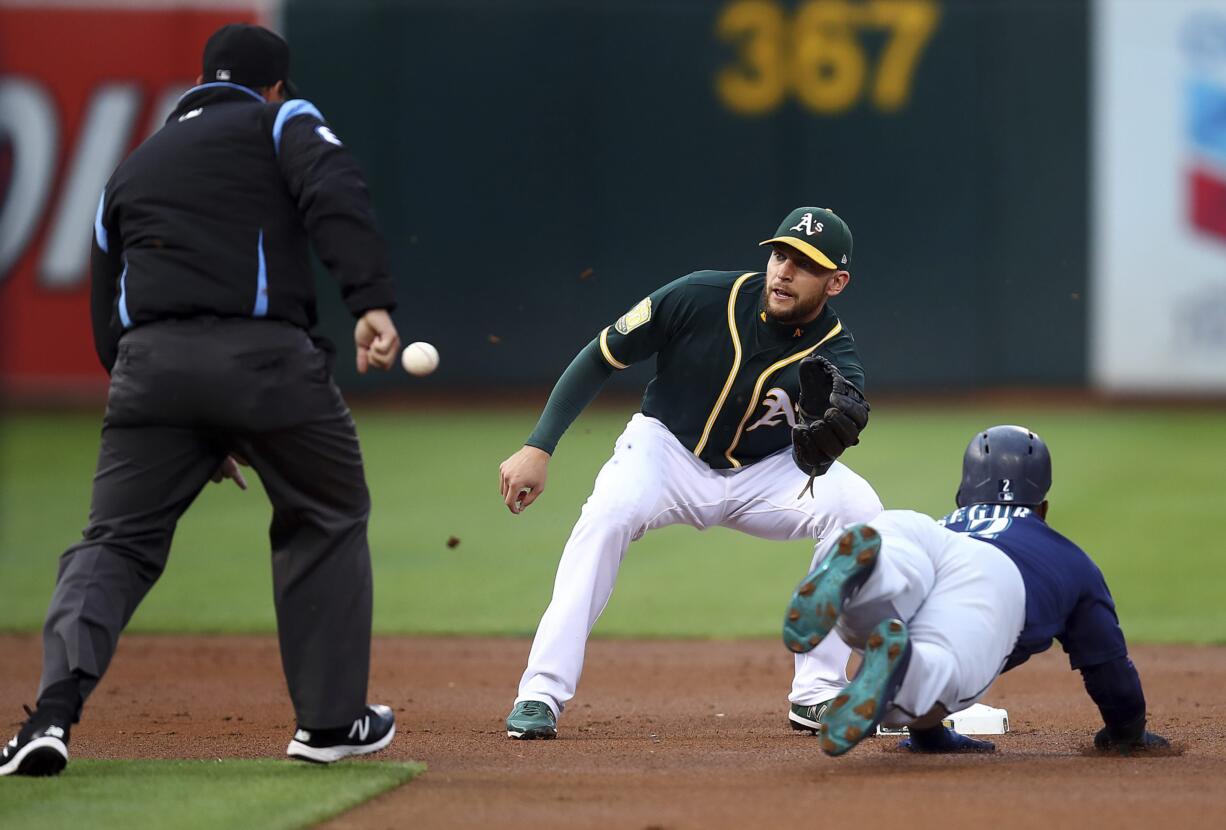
(212, 216)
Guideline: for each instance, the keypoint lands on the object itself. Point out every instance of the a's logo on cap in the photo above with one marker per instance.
(844, 259)
(223, 74)
(807, 225)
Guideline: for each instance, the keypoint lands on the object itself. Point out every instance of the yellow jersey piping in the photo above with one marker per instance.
(736, 364)
(757, 389)
(608, 355)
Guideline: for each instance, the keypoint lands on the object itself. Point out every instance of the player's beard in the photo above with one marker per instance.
(801, 310)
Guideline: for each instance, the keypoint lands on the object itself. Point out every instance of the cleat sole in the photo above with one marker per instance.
(856, 713)
(815, 605)
(533, 734)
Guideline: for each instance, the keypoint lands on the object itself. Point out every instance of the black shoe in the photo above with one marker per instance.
(40, 747)
(369, 733)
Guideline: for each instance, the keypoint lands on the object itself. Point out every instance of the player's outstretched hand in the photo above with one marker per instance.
(521, 478)
(1126, 745)
(376, 341)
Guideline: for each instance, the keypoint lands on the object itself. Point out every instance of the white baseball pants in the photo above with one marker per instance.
(964, 604)
(653, 481)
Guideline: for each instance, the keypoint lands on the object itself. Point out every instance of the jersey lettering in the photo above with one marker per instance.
(779, 409)
(807, 225)
(988, 528)
(985, 521)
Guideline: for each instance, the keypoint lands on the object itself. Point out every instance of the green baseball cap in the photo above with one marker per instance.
(817, 233)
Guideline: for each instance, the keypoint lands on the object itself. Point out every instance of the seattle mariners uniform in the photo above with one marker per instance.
(709, 447)
(941, 608)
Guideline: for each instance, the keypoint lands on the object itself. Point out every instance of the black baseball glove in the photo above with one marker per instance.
(832, 415)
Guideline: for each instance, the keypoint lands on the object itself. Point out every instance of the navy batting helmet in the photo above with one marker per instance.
(1005, 465)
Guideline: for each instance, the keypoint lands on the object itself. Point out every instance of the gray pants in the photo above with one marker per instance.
(184, 394)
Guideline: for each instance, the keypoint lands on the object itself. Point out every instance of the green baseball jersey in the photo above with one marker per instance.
(727, 382)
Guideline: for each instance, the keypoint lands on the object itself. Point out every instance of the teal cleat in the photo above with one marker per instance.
(818, 601)
(855, 713)
(531, 719)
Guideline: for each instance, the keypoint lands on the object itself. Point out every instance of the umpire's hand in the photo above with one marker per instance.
(229, 469)
(376, 340)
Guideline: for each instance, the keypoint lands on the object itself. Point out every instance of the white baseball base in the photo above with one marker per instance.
(974, 720)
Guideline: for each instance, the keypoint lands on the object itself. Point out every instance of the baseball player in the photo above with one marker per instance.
(710, 446)
(941, 608)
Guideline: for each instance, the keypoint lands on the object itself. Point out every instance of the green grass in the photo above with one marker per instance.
(194, 794)
(1143, 491)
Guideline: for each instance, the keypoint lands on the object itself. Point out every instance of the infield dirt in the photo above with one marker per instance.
(666, 734)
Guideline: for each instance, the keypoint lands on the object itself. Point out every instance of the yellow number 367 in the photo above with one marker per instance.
(819, 55)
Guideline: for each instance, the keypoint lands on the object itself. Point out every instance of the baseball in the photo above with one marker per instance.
(419, 358)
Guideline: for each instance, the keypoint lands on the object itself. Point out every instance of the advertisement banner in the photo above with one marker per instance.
(1159, 277)
(80, 86)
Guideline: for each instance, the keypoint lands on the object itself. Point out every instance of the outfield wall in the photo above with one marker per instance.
(539, 166)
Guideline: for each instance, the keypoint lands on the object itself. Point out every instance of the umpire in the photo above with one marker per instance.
(202, 302)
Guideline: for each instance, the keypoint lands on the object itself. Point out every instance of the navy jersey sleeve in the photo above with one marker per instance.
(335, 206)
(1096, 647)
(106, 271)
(1092, 633)
(644, 329)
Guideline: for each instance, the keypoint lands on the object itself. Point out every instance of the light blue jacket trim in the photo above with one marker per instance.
(123, 297)
(261, 282)
(291, 109)
(257, 96)
(99, 229)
